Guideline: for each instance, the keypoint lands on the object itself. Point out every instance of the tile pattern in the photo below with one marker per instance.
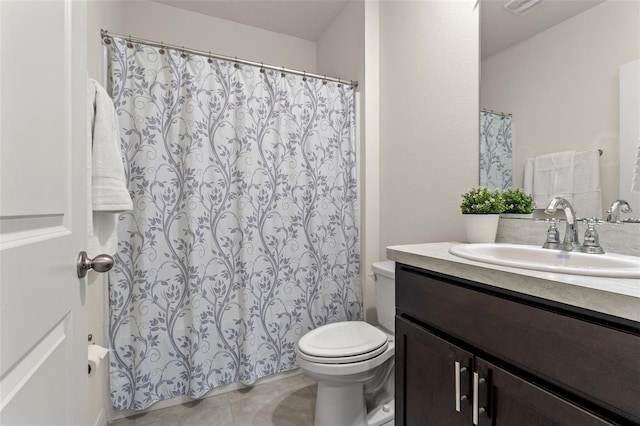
(286, 402)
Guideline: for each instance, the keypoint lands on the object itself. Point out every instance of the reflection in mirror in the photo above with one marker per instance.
(630, 135)
(556, 69)
(495, 150)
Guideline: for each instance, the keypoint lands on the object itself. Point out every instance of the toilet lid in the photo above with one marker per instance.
(343, 342)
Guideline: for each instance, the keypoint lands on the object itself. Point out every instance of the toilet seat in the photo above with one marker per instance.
(342, 343)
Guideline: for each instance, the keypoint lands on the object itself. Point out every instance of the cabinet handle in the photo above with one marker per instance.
(476, 410)
(459, 398)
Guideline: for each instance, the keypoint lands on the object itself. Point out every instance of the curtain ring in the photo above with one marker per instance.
(210, 60)
(161, 51)
(236, 65)
(324, 81)
(261, 68)
(283, 73)
(129, 44)
(304, 76)
(183, 54)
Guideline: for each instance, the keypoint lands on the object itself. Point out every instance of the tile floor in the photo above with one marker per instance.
(286, 402)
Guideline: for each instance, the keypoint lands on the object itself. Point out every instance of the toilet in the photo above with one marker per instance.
(352, 361)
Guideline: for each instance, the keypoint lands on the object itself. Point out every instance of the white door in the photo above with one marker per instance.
(43, 332)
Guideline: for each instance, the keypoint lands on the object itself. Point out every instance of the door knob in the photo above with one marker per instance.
(100, 263)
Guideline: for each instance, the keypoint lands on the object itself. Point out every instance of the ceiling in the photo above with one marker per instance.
(500, 29)
(308, 19)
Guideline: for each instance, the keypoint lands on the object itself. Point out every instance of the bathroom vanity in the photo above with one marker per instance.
(490, 345)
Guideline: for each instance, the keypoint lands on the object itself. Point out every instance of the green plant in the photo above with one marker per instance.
(482, 201)
(517, 201)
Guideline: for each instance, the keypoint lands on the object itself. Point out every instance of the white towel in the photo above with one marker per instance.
(587, 191)
(572, 175)
(552, 177)
(635, 179)
(107, 189)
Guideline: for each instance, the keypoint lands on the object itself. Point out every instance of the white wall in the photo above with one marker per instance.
(341, 53)
(340, 49)
(159, 22)
(562, 87)
(429, 120)
(370, 153)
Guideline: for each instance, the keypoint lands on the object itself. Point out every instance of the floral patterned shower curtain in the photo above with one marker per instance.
(496, 158)
(244, 234)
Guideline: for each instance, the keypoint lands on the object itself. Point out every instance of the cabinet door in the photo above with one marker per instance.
(433, 380)
(596, 362)
(507, 400)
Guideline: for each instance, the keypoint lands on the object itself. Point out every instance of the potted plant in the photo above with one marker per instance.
(517, 201)
(481, 210)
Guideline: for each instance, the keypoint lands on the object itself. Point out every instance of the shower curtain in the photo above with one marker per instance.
(495, 151)
(244, 234)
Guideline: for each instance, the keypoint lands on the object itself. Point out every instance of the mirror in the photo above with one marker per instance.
(556, 70)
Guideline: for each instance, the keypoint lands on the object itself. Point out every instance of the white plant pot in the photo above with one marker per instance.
(481, 228)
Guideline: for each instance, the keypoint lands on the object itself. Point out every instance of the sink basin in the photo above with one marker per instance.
(539, 259)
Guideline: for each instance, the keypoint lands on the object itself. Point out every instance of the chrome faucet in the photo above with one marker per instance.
(591, 242)
(570, 242)
(617, 207)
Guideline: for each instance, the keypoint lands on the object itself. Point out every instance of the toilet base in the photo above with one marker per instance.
(337, 404)
(383, 415)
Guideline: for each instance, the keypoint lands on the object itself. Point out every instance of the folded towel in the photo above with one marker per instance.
(572, 175)
(587, 191)
(106, 186)
(635, 179)
(109, 188)
(552, 177)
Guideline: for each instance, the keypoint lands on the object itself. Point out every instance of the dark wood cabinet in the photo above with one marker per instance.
(466, 354)
(506, 399)
(424, 360)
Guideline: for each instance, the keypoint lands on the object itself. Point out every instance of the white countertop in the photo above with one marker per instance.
(619, 297)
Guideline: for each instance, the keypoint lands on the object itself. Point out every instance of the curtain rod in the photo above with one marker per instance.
(510, 115)
(106, 39)
(503, 114)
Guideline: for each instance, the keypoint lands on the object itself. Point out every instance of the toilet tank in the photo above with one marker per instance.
(385, 273)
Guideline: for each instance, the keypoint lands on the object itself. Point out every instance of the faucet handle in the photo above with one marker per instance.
(591, 243)
(553, 235)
